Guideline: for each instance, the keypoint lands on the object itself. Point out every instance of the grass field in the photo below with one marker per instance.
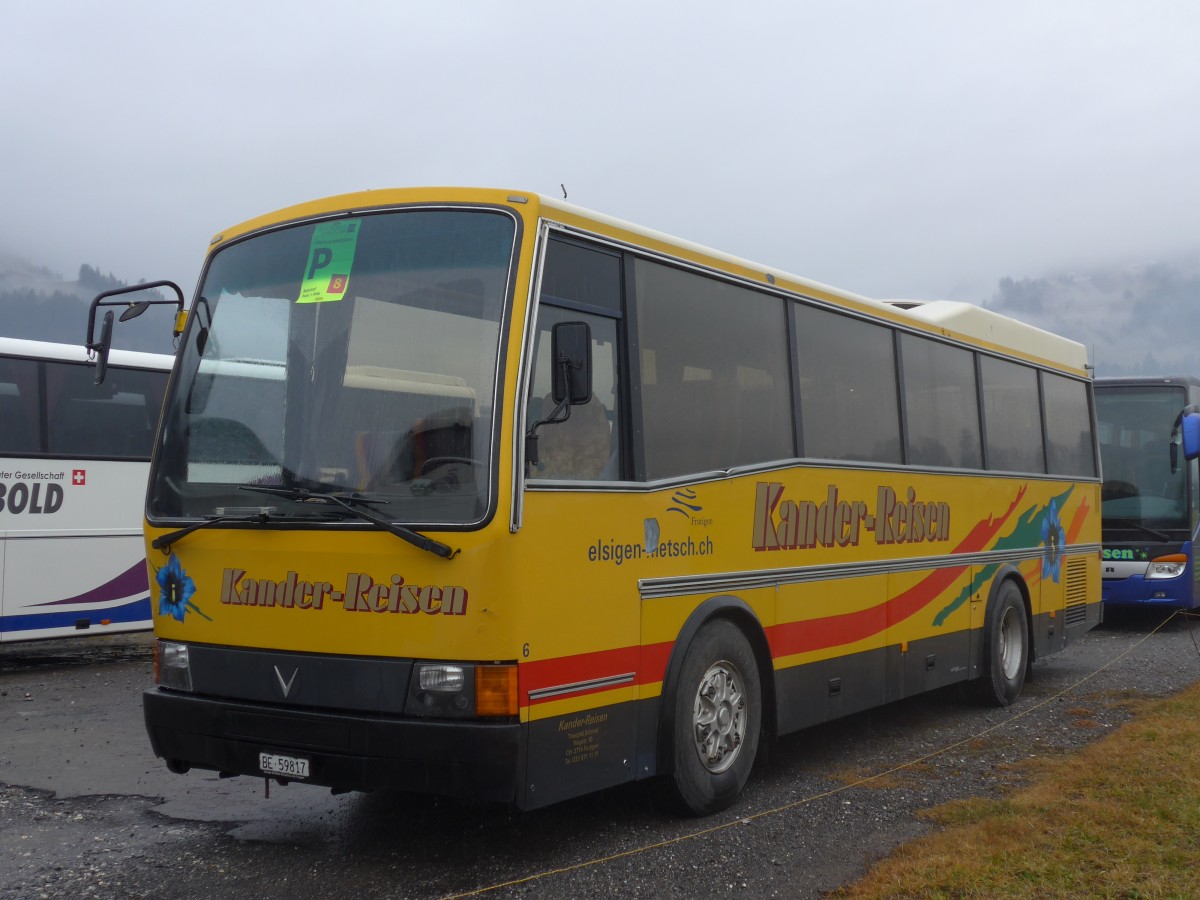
(1120, 818)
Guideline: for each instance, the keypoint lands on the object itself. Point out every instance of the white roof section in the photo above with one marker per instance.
(985, 325)
(79, 354)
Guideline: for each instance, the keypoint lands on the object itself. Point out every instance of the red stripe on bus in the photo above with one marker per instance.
(1077, 521)
(819, 634)
(648, 664)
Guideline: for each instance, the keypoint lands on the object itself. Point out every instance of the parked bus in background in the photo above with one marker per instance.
(478, 493)
(1150, 500)
(73, 464)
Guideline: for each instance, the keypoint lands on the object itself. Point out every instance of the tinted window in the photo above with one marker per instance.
(1010, 411)
(76, 417)
(115, 419)
(714, 373)
(847, 374)
(941, 404)
(586, 445)
(19, 407)
(1069, 445)
(582, 275)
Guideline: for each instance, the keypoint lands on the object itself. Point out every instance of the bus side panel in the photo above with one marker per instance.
(906, 655)
(1060, 589)
(579, 752)
(67, 570)
(934, 642)
(819, 675)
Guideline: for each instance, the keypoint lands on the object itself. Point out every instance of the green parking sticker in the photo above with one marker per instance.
(330, 259)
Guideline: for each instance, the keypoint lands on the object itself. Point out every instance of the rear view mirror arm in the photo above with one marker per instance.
(100, 346)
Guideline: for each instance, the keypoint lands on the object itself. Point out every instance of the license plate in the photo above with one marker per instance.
(291, 766)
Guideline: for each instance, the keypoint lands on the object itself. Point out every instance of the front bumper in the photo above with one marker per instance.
(346, 751)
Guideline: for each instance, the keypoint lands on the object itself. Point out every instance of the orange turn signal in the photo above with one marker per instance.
(496, 690)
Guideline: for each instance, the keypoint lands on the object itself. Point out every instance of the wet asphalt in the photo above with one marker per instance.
(87, 811)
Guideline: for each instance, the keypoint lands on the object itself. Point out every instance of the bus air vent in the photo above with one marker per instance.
(1076, 589)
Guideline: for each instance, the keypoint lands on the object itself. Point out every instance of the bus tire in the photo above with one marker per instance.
(718, 719)
(1005, 648)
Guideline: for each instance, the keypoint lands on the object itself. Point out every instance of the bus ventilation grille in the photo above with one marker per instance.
(1076, 584)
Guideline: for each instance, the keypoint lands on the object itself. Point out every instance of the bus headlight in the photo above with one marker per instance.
(1167, 566)
(172, 669)
(442, 690)
(442, 679)
(462, 690)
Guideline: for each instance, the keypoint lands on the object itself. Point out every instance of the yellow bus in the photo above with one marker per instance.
(479, 493)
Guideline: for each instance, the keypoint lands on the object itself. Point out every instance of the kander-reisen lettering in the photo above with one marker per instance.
(361, 594)
(785, 524)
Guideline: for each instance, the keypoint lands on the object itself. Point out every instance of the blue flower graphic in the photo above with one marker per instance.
(1054, 539)
(176, 590)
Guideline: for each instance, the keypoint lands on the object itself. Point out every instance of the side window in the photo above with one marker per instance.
(715, 386)
(1010, 404)
(849, 406)
(1068, 427)
(941, 404)
(19, 407)
(116, 419)
(579, 284)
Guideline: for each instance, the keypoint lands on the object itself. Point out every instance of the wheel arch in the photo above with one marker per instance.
(740, 614)
(1008, 572)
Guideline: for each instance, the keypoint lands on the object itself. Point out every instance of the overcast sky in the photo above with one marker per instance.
(898, 149)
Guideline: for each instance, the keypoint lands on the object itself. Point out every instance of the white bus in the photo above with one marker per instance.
(74, 457)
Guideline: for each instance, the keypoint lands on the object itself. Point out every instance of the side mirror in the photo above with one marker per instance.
(571, 378)
(571, 350)
(105, 342)
(1191, 435)
(132, 310)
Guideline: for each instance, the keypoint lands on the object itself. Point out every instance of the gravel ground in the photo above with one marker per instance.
(807, 823)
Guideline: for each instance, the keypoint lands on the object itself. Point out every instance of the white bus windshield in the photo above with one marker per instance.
(353, 355)
(1142, 488)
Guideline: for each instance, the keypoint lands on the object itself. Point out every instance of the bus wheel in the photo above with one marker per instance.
(718, 718)
(1005, 648)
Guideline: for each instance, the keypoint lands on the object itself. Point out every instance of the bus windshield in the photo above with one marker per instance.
(348, 355)
(1141, 487)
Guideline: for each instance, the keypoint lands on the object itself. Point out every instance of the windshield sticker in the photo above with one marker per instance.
(330, 258)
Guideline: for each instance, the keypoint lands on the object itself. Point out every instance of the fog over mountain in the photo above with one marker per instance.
(1134, 320)
(41, 304)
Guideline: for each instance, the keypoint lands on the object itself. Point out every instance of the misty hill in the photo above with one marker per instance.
(39, 304)
(1140, 320)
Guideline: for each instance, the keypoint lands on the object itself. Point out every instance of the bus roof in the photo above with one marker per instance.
(985, 325)
(1148, 380)
(949, 318)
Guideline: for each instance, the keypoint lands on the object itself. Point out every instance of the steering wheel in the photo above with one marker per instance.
(436, 462)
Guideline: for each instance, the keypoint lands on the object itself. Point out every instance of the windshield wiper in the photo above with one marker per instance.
(261, 517)
(1138, 526)
(360, 506)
